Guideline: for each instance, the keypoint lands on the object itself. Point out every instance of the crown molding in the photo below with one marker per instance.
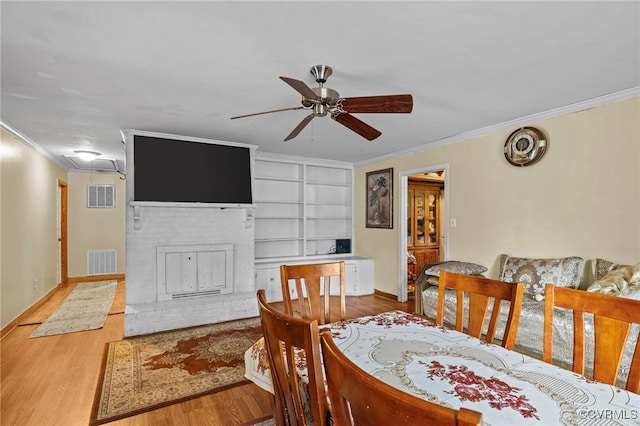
(518, 122)
(31, 144)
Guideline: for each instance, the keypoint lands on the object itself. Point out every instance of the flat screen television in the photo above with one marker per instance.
(168, 170)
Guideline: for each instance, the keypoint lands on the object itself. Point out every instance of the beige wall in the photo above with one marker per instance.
(29, 225)
(582, 198)
(94, 228)
(29, 258)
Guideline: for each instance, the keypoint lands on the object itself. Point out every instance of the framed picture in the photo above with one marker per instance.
(380, 199)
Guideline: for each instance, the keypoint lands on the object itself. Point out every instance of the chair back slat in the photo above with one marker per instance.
(284, 335)
(306, 290)
(358, 398)
(479, 292)
(578, 342)
(478, 306)
(606, 367)
(633, 379)
(612, 320)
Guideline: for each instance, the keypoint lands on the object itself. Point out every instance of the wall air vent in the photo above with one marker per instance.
(101, 196)
(196, 294)
(101, 262)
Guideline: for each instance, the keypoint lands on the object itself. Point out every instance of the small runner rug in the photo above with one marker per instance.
(86, 308)
(142, 373)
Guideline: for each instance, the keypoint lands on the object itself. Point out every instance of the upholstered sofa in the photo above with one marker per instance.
(596, 275)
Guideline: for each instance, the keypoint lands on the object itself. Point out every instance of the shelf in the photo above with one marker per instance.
(329, 175)
(344, 185)
(270, 258)
(266, 240)
(329, 217)
(273, 179)
(279, 217)
(278, 248)
(278, 170)
(308, 204)
(279, 202)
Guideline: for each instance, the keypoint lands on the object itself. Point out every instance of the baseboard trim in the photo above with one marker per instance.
(31, 309)
(386, 295)
(91, 278)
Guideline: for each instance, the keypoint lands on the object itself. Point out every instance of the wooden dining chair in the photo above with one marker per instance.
(283, 335)
(358, 398)
(306, 290)
(479, 292)
(612, 320)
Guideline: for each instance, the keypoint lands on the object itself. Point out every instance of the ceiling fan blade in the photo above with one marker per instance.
(358, 126)
(301, 88)
(267, 112)
(375, 104)
(300, 126)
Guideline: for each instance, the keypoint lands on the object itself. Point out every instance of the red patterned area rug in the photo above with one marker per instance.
(143, 373)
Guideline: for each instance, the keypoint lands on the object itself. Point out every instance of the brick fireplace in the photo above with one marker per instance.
(187, 263)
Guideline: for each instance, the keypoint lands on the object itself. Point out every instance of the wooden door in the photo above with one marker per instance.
(62, 234)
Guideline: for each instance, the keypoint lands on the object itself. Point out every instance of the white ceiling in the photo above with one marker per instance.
(75, 73)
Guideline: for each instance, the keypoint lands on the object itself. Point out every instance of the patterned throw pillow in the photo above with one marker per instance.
(535, 273)
(619, 280)
(456, 266)
(602, 267)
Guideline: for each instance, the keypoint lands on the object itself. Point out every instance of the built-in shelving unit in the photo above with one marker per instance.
(303, 206)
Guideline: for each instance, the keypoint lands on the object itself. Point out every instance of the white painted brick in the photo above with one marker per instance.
(180, 225)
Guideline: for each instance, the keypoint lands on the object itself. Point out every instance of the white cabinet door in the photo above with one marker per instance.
(210, 275)
(268, 279)
(193, 269)
(358, 277)
(181, 272)
(350, 278)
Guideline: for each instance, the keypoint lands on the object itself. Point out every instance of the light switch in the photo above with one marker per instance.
(453, 222)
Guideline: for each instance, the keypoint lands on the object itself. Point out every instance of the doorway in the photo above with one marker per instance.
(63, 268)
(422, 234)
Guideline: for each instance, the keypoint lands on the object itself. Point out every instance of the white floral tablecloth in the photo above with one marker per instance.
(456, 370)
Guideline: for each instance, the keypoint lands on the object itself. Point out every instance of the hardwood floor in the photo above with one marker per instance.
(50, 381)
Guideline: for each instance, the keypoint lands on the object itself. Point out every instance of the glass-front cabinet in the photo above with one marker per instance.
(423, 227)
(422, 208)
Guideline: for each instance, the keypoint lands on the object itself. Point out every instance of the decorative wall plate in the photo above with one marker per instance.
(525, 146)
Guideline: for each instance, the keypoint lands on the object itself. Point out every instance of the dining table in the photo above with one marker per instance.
(456, 370)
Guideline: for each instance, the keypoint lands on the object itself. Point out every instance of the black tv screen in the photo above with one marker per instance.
(170, 170)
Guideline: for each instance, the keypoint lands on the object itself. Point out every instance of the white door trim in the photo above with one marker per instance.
(402, 229)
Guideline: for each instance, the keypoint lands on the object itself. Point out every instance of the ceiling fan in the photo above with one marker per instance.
(322, 101)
